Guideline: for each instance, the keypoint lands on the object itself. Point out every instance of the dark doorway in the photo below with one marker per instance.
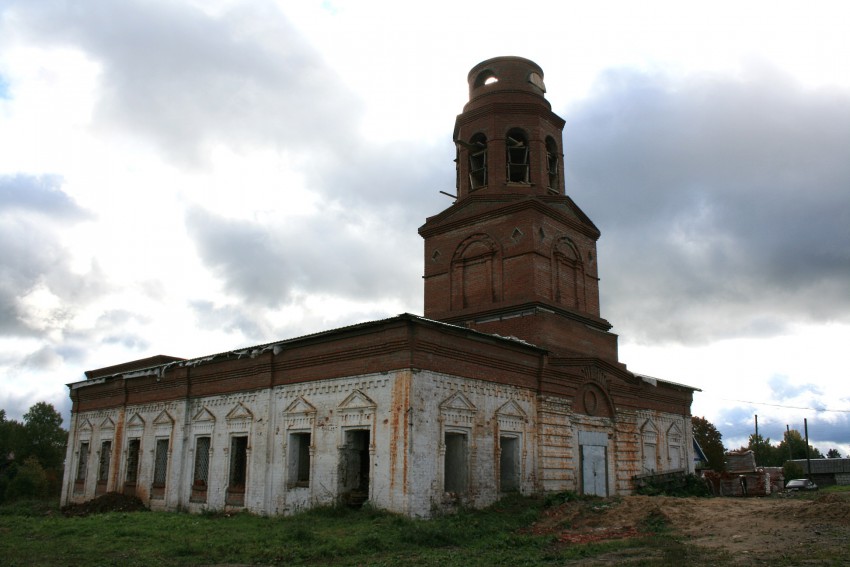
(455, 477)
(355, 468)
(509, 464)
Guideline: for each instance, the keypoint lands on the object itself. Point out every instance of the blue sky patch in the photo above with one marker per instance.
(4, 88)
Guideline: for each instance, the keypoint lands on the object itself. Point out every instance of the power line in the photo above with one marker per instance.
(786, 407)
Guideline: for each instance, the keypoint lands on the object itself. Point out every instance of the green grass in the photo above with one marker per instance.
(37, 534)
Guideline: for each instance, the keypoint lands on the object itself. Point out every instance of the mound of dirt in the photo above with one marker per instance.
(760, 527)
(109, 502)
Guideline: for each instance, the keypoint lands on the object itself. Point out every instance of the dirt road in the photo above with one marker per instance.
(784, 530)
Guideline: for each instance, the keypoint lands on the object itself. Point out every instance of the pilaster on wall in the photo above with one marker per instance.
(557, 447)
(627, 446)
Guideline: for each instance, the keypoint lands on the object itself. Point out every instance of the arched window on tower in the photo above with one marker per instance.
(478, 161)
(517, 156)
(552, 163)
(485, 77)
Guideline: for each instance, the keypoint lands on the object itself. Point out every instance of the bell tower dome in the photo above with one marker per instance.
(514, 255)
(508, 139)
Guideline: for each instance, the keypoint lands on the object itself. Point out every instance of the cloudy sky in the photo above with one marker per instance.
(191, 177)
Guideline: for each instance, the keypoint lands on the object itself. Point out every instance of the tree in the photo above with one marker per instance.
(765, 453)
(833, 454)
(45, 438)
(11, 440)
(34, 449)
(797, 445)
(710, 440)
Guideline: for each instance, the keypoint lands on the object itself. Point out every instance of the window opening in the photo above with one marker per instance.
(299, 459)
(517, 157)
(650, 448)
(238, 470)
(200, 476)
(552, 163)
(485, 77)
(509, 464)
(160, 469)
(133, 449)
(132, 474)
(82, 466)
(354, 463)
(103, 467)
(455, 472)
(477, 161)
(674, 447)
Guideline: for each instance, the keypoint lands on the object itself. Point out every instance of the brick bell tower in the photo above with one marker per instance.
(513, 255)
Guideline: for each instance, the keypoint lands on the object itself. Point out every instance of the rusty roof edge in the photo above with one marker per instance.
(652, 380)
(159, 370)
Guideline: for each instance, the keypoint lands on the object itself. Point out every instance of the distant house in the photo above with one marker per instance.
(826, 472)
(743, 478)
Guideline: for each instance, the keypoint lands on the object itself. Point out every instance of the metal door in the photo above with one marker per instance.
(594, 470)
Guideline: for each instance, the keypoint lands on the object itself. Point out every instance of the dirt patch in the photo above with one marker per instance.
(778, 527)
(109, 502)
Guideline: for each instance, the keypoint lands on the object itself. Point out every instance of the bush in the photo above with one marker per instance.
(29, 482)
(792, 470)
(684, 485)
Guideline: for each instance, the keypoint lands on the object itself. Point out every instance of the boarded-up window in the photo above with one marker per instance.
(456, 478)
(133, 448)
(299, 459)
(160, 469)
(649, 446)
(201, 470)
(675, 457)
(82, 463)
(509, 464)
(103, 468)
(674, 446)
(131, 474)
(82, 467)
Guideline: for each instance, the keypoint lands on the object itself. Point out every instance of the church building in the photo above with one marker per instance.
(510, 382)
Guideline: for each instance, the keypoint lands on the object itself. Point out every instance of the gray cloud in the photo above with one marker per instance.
(33, 211)
(782, 387)
(723, 203)
(184, 78)
(37, 194)
(335, 254)
(248, 322)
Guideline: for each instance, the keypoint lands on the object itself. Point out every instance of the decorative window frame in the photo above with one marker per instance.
(511, 422)
(299, 417)
(648, 437)
(240, 423)
(675, 445)
(457, 416)
(134, 430)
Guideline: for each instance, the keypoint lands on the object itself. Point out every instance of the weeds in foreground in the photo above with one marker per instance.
(38, 534)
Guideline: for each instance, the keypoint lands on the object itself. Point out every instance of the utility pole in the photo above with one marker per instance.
(756, 444)
(808, 460)
(788, 441)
